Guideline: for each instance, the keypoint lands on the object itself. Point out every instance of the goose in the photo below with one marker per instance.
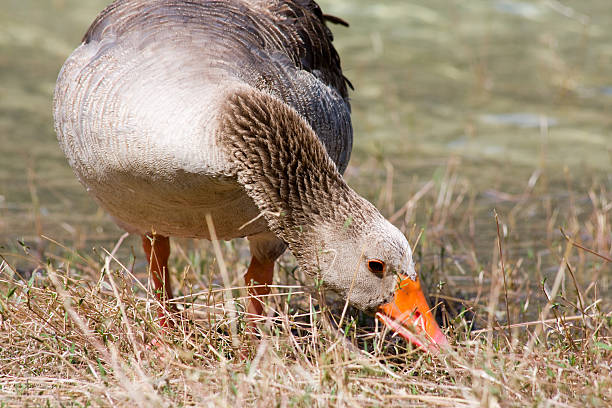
(173, 113)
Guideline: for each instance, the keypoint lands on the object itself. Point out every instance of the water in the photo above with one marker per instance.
(497, 88)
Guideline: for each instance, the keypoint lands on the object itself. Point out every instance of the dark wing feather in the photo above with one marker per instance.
(311, 48)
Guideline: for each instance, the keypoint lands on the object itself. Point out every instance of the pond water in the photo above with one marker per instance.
(480, 95)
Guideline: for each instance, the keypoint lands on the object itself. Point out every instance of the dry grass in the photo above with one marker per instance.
(80, 330)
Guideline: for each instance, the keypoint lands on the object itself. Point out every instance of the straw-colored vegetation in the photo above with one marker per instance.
(79, 328)
(485, 81)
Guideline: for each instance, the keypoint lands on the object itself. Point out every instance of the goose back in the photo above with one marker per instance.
(136, 105)
(282, 47)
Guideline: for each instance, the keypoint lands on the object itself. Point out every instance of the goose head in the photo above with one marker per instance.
(369, 262)
(337, 236)
(360, 258)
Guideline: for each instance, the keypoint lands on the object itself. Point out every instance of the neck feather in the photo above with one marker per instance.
(285, 169)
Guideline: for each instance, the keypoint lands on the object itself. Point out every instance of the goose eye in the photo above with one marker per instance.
(376, 266)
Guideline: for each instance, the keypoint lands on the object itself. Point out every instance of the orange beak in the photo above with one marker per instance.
(409, 316)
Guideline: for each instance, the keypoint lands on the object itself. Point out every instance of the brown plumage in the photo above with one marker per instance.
(287, 172)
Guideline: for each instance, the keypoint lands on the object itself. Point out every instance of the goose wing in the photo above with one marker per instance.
(283, 47)
(323, 99)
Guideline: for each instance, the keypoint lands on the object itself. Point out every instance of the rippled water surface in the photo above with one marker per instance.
(488, 91)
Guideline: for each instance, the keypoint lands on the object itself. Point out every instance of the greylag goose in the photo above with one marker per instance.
(172, 111)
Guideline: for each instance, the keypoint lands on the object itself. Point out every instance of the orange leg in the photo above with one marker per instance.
(157, 249)
(259, 273)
